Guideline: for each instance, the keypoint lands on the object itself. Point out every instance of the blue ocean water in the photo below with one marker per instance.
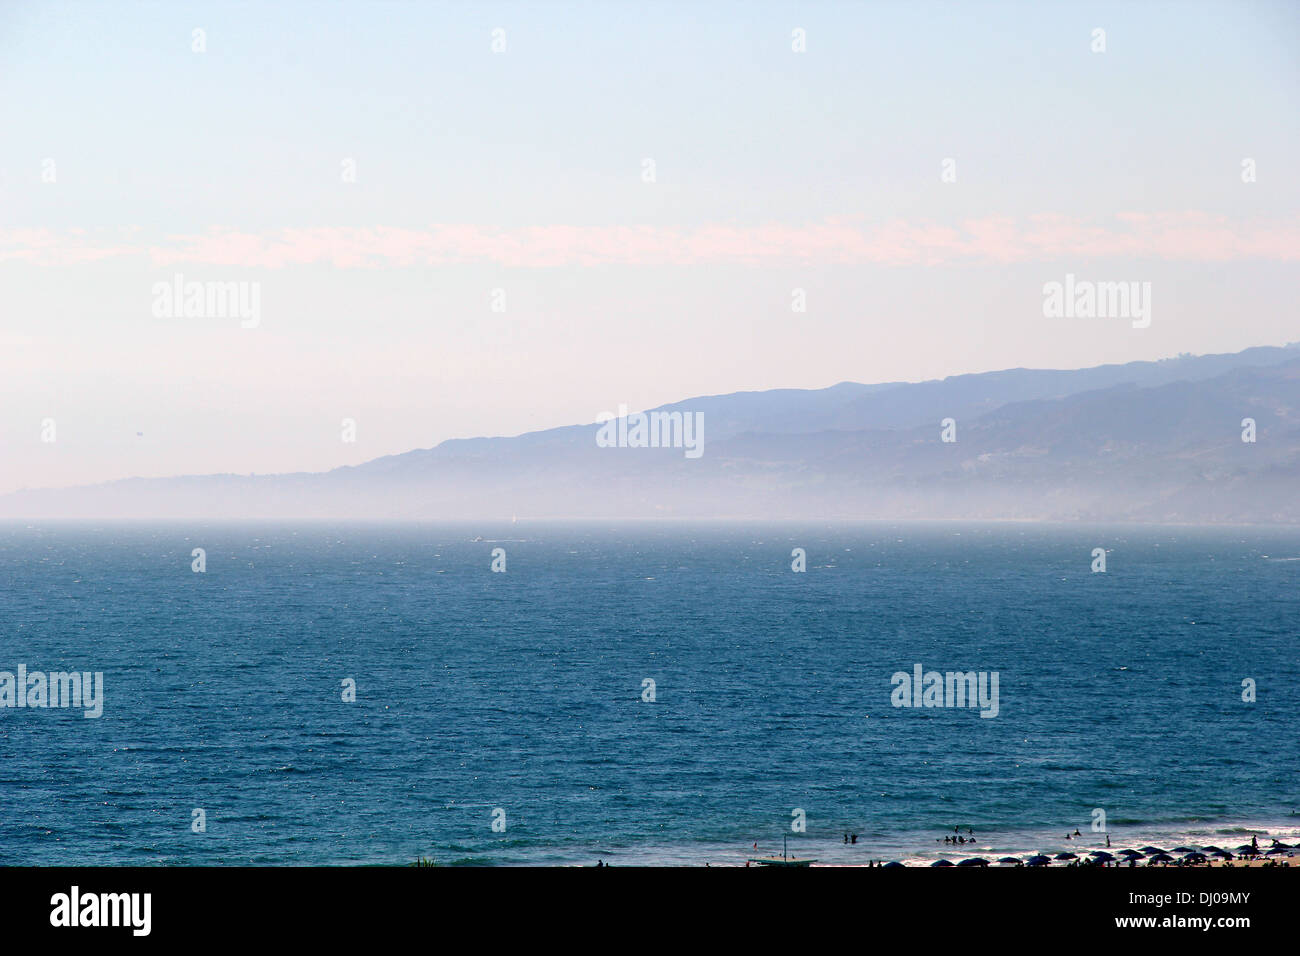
(523, 690)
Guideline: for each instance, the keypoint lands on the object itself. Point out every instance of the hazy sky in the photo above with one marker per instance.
(377, 170)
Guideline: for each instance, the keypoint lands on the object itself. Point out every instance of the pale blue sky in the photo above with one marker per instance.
(157, 147)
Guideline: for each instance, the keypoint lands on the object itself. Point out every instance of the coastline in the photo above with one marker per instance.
(910, 851)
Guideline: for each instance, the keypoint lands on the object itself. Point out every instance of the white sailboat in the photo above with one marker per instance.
(785, 859)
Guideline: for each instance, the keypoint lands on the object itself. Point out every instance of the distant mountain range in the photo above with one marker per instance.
(1146, 441)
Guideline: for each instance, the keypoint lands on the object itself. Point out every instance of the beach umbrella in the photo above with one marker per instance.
(1277, 851)
(1222, 854)
(892, 864)
(941, 863)
(1282, 846)
(974, 861)
(1196, 858)
(1246, 850)
(1152, 849)
(1210, 849)
(1039, 860)
(1067, 855)
(1010, 859)
(1184, 849)
(1133, 854)
(1160, 858)
(1102, 855)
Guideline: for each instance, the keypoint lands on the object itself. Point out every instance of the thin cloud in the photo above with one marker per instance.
(1182, 236)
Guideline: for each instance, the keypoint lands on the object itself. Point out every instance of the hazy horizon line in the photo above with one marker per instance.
(485, 437)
